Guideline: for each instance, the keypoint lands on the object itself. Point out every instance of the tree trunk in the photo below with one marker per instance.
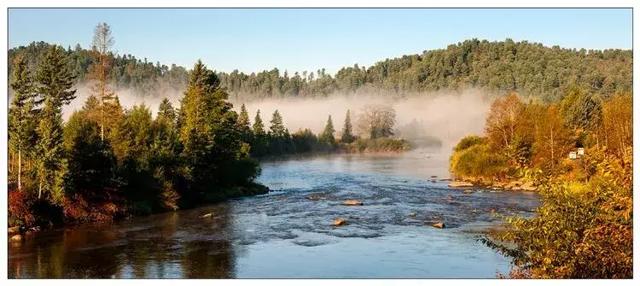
(102, 95)
(19, 170)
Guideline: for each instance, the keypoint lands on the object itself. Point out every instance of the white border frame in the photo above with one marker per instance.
(308, 3)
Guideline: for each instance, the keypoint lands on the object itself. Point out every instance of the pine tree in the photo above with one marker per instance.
(92, 103)
(258, 126)
(209, 134)
(91, 162)
(327, 135)
(21, 117)
(50, 161)
(165, 157)
(165, 134)
(347, 130)
(54, 79)
(277, 130)
(107, 115)
(166, 111)
(54, 85)
(244, 124)
(194, 131)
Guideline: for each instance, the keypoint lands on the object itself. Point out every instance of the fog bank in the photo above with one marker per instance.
(447, 116)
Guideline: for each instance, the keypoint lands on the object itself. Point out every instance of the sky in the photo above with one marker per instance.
(252, 40)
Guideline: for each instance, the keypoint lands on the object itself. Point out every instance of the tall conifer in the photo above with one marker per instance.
(54, 86)
(21, 116)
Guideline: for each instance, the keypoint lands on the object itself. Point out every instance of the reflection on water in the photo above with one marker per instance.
(285, 234)
(154, 246)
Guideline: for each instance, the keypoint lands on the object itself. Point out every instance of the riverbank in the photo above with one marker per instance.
(359, 146)
(18, 232)
(512, 185)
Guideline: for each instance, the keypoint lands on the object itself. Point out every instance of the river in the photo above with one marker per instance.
(288, 233)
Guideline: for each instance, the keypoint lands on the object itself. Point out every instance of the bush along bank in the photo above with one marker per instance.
(578, 155)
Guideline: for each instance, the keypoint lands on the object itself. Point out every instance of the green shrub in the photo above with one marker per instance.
(478, 161)
(581, 230)
(469, 141)
(379, 145)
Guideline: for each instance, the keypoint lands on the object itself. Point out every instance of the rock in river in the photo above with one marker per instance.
(315, 197)
(339, 222)
(352, 203)
(438, 225)
(459, 184)
(206, 215)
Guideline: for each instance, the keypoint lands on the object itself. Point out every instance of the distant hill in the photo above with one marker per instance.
(529, 68)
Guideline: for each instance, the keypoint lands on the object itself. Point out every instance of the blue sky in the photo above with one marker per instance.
(308, 39)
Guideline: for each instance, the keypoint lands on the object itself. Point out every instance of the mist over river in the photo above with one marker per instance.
(288, 233)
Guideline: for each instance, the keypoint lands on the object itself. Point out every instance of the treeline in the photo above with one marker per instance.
(521, 137)
(375, 134)
(531, 69)
(107, 162)
(125, 71)
(579, 153)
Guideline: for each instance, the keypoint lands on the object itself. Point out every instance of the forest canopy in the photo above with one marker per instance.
(531, 69)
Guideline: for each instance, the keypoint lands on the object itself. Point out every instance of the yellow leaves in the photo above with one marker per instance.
(581, 230)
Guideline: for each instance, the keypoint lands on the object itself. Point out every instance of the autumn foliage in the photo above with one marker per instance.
(583, 228)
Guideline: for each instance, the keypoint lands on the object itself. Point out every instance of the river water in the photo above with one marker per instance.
(288, 233)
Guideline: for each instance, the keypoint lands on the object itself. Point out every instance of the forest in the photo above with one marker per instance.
(578, 154)
(531, 69)
(107, 161)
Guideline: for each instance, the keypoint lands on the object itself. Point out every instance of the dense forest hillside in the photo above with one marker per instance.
(126, 71)
(528, 68)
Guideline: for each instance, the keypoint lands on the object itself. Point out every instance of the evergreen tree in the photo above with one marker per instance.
(106, 114)
(54, 79)
(258, 137)
(165, 161)
(136, 134)
(209, 134)
(258, 126)
(277, 129)
(134, 152)
(244, 124)
(166, 111)
(91, 160)
(21, 117)
(54, 85)
(278, 139)
(327, 135)
(581, 111)
(92, 103)
(347, 130)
